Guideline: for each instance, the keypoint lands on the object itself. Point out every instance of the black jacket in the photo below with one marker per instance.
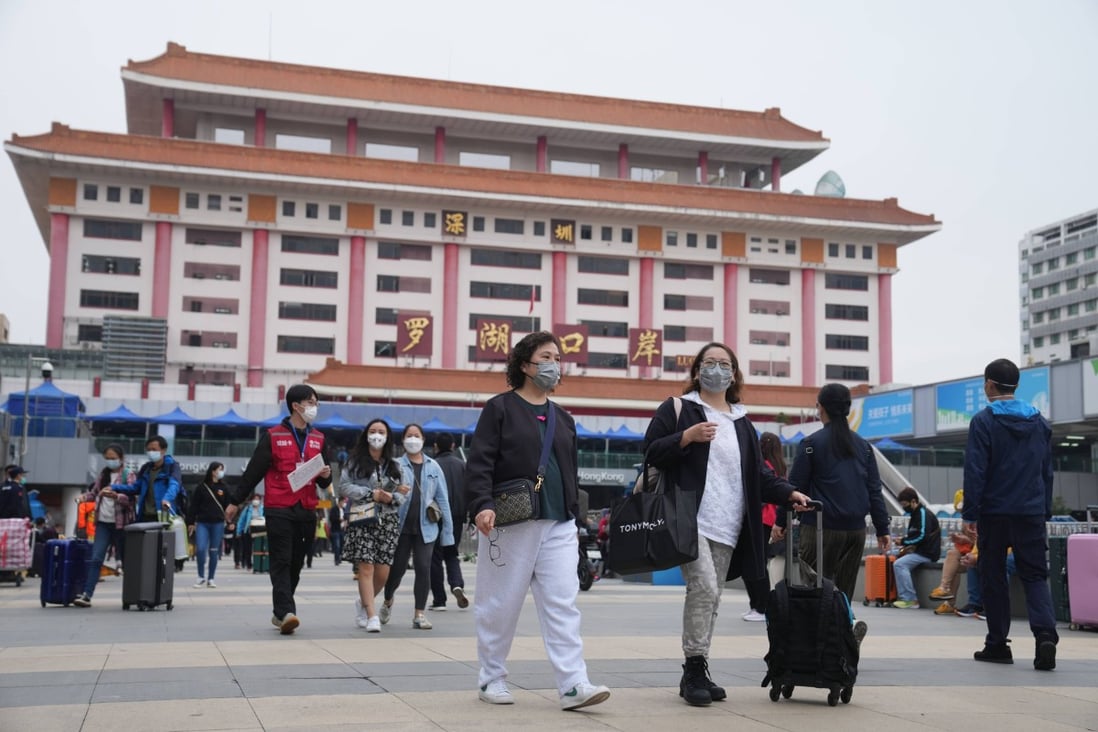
(453, 469)
(924, 534)
(507, 444)
(686, 467)
(205, 508)
(13, 500)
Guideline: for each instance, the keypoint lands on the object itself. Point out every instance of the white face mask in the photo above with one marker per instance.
(113, 463)
(255, 503)
(376, 440)
(309, 413)
(219, 474)
(413, 445)
(153, 455)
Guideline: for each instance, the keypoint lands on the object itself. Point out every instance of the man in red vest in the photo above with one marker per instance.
(289, 504)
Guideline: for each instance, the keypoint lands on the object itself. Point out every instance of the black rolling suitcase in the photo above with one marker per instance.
(148, 572)
(811, 633)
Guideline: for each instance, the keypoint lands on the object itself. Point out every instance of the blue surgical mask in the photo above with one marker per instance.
(548, 375)
(113, 463)
(153, 455)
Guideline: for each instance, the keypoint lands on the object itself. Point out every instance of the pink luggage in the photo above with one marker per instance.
(1082, 551)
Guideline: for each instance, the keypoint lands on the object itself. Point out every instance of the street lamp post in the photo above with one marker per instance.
(47, 372)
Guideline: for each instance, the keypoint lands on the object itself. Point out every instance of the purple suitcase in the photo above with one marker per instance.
(1082, 569)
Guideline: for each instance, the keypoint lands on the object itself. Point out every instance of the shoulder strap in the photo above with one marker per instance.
(547, 441)
(678, 409)
(216, 502)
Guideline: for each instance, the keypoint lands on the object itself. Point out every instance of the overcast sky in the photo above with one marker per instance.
(981, 112)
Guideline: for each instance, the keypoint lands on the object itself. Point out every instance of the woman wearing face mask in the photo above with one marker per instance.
(112, 493)
(251, 518)
(372, 476)
(533, 555)
(712, 448)
(206, 522)
(418, 533)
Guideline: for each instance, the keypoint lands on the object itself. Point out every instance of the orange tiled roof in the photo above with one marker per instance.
(180, 64)
(266, 161)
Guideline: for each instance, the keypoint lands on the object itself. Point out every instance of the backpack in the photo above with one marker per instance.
(811, 636)
(182, 500)
(651, 478)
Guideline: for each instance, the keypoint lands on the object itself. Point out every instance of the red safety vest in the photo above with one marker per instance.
(286, 454)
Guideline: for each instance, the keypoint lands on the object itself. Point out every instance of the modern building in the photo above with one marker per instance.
(260, 218)
(1058, 264)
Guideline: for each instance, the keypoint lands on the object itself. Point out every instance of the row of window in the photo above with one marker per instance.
(1053, 264)
(192, 200)
(113, 194)
(1069, 285)
(501, 225)
(312, 210)
(773, 246)
(1069, 311)
(1054, 339)
(849, 251)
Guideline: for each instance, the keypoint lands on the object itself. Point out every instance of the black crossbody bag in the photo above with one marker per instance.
(519, 499)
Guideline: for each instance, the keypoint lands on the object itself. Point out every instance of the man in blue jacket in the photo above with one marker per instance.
(159, 482)
(1008, 498)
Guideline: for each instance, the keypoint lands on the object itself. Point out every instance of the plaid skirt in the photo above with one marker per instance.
(373, 544)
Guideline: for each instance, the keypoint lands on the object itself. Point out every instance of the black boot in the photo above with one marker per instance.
(696, 688)
(1045, 657)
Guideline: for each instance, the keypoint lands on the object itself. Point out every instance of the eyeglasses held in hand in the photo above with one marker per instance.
(494, 552)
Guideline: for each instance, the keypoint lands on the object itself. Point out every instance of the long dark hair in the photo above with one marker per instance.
(105, 473)
(771, 446)
(732, 393)
(208, 480)
(361, 463)
(835, 401)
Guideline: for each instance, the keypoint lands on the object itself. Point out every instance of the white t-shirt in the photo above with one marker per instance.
(106, 505)
(720, 515)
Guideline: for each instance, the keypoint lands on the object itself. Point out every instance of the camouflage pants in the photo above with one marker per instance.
(704, 581)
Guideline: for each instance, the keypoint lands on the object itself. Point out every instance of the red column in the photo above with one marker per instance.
(542, 162)
(355, 302)
(623, 161)
(440, 144)
(644, 311)
(167, 118)
(162, 269)
(257, 320)
(59, 263)
(731, 273)
(450, 297)
(808, 327)
(776, 174)
(260, 128)
(703, 171)
(560, 290)
(884, 326)
(352, 136)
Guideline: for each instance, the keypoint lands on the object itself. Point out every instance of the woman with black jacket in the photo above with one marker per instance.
(712, 448)
(206, 522)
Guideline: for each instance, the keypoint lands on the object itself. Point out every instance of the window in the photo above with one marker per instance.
(1090, 306)
(91, 192)
(769, 276)
(539, 228)
(392, 152)
(504, 291)
(1054, 339)
(310, 244)
(228, 136)
(207, 271)
(846, 312)
(394, 250)
(1073, 309)
(607, 233)
(89, 333)
(602, 265)
(407, 218)
(626, 236)
(674, 333)
(114, 194)
(385, 316)
(1072, 284)
(335, 212)
(306, 311)
(215, 305)
(191, 200)
(108, 300)
(105, 229)
(1038, 342)
(851, 251)
(613, 298)
(1038, 267)
(607, 360)
(289, 208)
(395, 283)
(303, 143)
(569, 167)
(1053, 264)
(847, 373)
(385, 216)
(1038, 293)
(790, 246)
(518, 324)
(236, 204)
(137, 195)
(207, 339)
(846, 282)
(385, 349)
(768, 338)
(1054, 289)
(768, 307)
(672, 238)
(585, 232)
(305, 344)
(212, 237)
(710, 241)
(847, 342)
(504, 258)
(430, 220)
(679, 271)
(1089, 280)
(608, 329)
(510, 226)
(674, 302)
(484, 160)
(1089, 253)
(478, 223)
(692, 240)
(111, 265)
(312, 210)
(213, 202)
(867, 252)
(832, 249)
(1071, 259)
(309, 278)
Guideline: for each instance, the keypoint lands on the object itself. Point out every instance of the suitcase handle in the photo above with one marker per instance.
(813, 505)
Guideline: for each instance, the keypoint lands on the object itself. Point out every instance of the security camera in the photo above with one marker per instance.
(47, 370)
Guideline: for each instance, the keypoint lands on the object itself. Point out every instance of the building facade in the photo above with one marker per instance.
(1058, 267)
(259, 218)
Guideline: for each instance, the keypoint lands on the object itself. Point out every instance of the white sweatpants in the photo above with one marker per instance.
(542, 556)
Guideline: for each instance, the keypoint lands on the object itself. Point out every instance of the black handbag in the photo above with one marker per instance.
(519, 499)
(650, 531)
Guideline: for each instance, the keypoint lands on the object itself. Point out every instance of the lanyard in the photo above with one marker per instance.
(301, 441)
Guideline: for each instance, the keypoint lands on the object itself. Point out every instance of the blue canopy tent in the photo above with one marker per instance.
(434, 424)
(230, 419)
(394, 425)
(177, 417)
(336, 422)
(275, 420)
(120, 422)
(889, 444)
(794, 439)
(121, 413)
(624, 433)
(50, 411)
(584, 433)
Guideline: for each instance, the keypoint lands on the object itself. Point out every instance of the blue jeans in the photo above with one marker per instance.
(106, 534)
(207, 540)
(902, 567)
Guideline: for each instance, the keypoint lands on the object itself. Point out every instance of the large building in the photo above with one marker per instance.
(1058, 264)
(259, 218)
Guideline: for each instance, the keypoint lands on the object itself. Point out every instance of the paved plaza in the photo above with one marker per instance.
(216, 663)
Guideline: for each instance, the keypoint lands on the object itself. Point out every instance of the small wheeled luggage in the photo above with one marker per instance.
(1082, 572)
(811, 634)
(16, 549)
(148, 570)
(64, 569)
(880, 582)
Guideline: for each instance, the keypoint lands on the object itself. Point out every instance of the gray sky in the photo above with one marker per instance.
(981, 112)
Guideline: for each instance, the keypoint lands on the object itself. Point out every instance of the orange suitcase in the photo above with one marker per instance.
(880, 583)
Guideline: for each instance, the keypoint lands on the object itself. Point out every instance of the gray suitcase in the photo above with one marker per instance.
(148, 572)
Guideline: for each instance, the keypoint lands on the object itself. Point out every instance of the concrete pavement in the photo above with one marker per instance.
(216, 663)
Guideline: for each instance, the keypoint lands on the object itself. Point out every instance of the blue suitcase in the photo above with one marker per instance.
(64, 569)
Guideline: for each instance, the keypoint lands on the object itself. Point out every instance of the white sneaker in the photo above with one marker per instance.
(360, 614)
(386, 612)
(754, 616)
(496, 692)
(583, 695)
(373, 625)
(199, 583)
(211, 584)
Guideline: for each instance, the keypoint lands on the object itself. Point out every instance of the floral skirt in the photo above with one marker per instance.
(373, 544)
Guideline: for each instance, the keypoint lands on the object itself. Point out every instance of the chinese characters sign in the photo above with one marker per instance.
(645, 347)
(573, 342)
(493, 339)
(883, 415)
(414, 334)
(455, 223)
(562, 231)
